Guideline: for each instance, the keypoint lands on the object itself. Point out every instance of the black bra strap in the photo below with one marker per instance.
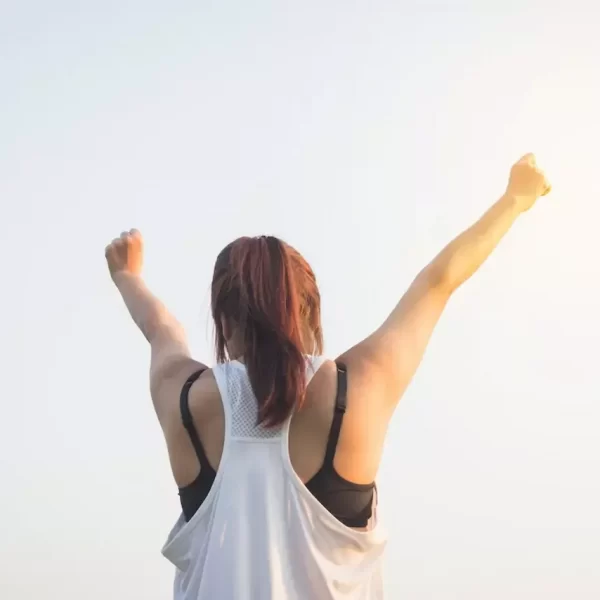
(188, 422)
(338, 416)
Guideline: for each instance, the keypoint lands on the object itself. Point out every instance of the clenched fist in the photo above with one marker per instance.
(125, 254)
(527, 182)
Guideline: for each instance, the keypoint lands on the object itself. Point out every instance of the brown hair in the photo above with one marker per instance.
(267, 291)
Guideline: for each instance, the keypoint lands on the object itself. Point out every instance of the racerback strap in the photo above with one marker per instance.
(338, 416)
(188, 422)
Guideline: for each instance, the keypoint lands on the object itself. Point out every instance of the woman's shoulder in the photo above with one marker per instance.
(321, 389)
(204, 395)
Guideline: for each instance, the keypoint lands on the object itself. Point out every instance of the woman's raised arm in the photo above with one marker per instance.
(389, 357)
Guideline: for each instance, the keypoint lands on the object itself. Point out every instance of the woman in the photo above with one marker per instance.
(275, 450)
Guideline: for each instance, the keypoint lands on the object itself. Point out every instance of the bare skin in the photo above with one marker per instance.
(380, 367)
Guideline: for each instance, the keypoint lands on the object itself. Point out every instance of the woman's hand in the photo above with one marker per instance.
(125, 254)
(527, 183)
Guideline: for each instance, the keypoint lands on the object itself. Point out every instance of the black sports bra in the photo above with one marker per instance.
(350, 503)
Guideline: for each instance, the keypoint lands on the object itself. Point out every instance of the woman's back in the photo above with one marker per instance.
(260, 532)
(356, 459)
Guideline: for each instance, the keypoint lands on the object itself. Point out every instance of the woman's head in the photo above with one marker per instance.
(267, 308)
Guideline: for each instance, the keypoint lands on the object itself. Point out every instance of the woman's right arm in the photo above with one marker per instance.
(388, 359)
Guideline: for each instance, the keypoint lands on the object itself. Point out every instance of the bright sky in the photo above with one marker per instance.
(367, 134)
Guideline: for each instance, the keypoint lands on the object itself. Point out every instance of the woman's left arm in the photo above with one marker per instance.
(170, 356)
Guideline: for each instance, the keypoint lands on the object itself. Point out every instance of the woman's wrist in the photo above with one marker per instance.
(514, 203)
(124, 277)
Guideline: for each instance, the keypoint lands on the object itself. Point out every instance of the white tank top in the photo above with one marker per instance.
(260, 534)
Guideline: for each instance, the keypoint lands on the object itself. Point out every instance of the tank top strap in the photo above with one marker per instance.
(225, 376)
(313, 364)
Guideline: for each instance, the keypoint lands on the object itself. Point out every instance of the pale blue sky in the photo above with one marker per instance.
(367, 134)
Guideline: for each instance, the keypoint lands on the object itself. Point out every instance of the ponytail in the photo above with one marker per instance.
(268, 292)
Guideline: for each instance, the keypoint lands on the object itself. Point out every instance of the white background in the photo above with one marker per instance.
(367, 134)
